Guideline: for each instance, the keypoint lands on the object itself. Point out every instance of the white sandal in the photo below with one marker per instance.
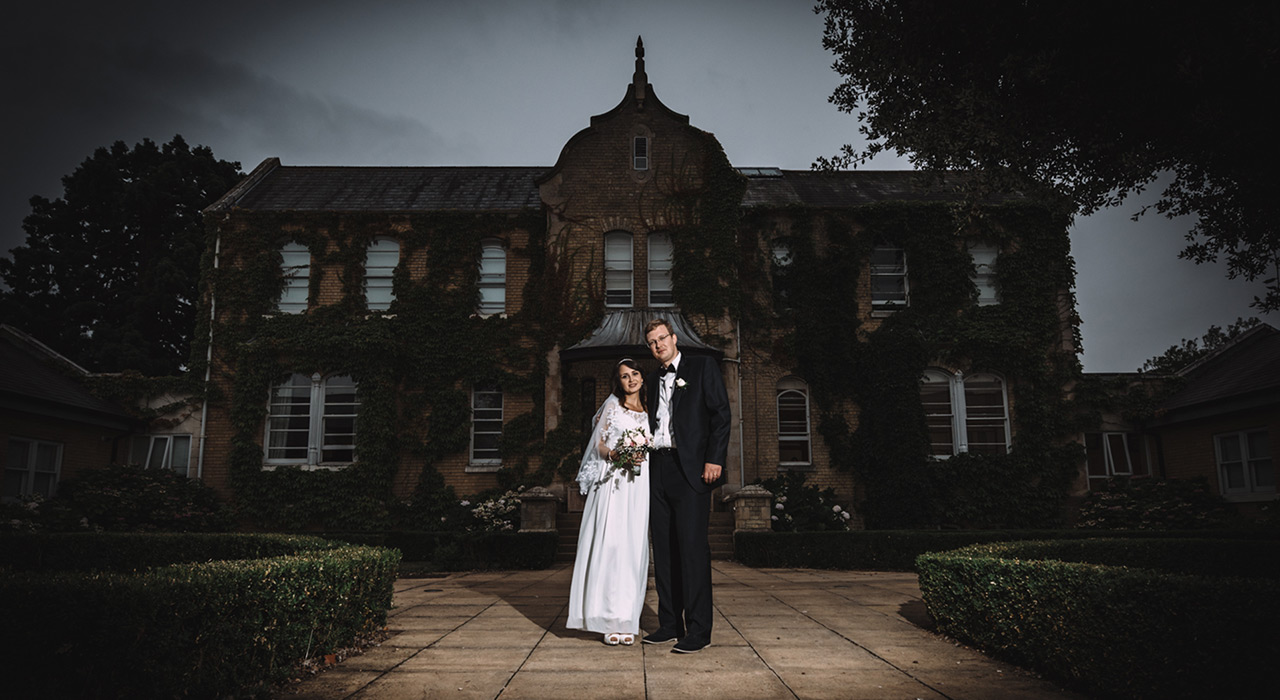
(613, 639)
(627, 639)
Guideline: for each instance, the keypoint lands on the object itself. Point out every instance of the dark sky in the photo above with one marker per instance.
(499, 82)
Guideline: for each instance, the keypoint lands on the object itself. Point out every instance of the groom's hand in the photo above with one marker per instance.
(710, 472)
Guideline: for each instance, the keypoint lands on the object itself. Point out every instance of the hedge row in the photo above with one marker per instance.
(127, 551)
(447, 551)
(896, 550)
(1109, 630)
(208, 629)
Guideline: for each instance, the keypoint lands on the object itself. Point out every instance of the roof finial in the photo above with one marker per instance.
(640, 81)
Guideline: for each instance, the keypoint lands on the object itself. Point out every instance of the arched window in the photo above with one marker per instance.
(618, 280)
(660, 260)
(939, 415)
(380, 261)
(793, 423)
(965, 414)
(493, 278)
(295, 265)
(312, 421)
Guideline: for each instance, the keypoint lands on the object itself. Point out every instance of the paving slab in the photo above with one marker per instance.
(778, 633)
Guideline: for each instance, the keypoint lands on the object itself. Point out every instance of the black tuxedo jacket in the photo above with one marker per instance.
(700, 417)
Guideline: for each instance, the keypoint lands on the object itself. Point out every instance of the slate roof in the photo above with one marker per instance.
(776, 187)
(30, 381)
(273, 187)
(1244, 374)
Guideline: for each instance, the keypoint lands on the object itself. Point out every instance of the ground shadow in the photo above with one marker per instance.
(917, 614)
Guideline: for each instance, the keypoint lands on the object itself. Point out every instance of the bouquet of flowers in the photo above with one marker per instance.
(630, 450)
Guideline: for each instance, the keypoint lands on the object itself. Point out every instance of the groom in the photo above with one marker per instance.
(690, 428)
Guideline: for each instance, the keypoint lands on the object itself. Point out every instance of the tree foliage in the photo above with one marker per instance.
(1190, 350)
(108, 275)
(1094, 101)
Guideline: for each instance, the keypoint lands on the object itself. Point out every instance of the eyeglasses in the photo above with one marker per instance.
(654, 343)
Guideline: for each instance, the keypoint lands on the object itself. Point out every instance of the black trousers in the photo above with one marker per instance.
(678, 518)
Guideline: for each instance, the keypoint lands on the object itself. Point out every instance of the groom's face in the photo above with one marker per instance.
(662, 343)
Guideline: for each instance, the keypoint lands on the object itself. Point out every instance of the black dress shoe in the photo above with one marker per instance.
(660, 637)
(689, 646)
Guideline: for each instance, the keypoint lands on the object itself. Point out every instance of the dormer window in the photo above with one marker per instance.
(640, 153)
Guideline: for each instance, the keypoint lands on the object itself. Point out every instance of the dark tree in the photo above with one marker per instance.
(108, 275)
(1092, 100)
(1191, 350)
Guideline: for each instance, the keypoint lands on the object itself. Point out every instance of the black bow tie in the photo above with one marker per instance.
(669, 369)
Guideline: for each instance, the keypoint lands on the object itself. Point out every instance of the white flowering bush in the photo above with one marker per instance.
(499, 513)
(804, 508)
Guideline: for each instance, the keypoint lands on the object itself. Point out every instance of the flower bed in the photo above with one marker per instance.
(1068, 610)
(193, 625)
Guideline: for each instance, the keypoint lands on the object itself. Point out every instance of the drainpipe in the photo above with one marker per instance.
(208, 361)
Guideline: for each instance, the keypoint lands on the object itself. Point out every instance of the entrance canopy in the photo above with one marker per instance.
(622, 333)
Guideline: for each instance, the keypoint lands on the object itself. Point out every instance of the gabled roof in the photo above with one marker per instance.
(274, 187)
(35, 379)
(1243, 375)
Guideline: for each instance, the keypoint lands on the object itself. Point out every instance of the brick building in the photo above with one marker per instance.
(379, 333)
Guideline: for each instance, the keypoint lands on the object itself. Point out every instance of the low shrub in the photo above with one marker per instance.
(1067, 610)
(451, 551)
(206, 629)
(1154, 504)
(897, 550)
(121, 498)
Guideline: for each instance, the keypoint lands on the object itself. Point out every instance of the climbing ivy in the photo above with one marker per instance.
(876, 370)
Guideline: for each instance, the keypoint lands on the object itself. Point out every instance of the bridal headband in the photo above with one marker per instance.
(625, 359)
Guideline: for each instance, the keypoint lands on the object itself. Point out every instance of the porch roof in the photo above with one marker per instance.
(621, 332)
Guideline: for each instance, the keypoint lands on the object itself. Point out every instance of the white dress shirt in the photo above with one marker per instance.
(665, 436)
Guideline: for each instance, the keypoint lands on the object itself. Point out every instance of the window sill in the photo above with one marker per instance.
(796, 468)
(483, 468)
(306, 467)
(1258, 497)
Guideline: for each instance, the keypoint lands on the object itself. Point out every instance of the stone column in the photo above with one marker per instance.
(538, 508)
(752, 508)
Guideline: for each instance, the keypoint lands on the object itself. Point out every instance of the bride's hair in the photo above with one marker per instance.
(616, 382)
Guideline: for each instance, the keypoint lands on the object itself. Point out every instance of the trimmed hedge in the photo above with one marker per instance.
(212, 628)
(1065, 609)
(896, 550)
(448, 551)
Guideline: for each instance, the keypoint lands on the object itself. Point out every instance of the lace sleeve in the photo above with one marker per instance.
(593, 464)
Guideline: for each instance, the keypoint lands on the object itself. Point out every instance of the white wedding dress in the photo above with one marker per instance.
(612, 565)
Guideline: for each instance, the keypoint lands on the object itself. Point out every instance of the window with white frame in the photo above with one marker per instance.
(486, 425)
(380, 261)
(295, 263)
(888, 277)
(965, 414)
(312, 421)
(984, 272)
(640, 152)
(1245, 469)
(793, 423)
(661, 256)
(31, 468)
(1112, 454)
(493, 278)
(161, 452)
(618, 280)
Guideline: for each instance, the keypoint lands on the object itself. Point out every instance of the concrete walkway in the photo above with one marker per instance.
(779, 633)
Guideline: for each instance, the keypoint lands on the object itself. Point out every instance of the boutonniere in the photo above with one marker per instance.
(680, 383)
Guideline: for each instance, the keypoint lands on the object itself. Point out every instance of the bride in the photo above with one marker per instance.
(612, 564)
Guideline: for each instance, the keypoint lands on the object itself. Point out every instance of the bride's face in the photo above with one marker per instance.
(631, 379)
